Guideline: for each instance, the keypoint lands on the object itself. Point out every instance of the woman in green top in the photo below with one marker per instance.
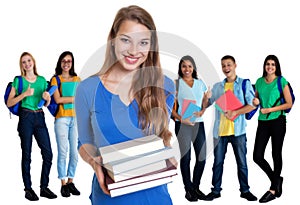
(271, 124)
(32, 123)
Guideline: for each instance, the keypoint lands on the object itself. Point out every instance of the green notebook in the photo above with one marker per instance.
(68, 90)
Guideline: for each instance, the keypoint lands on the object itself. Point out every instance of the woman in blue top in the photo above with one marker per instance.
(129, 98)
(191, 129)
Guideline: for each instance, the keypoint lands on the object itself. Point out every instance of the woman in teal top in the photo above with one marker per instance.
(271, 124)
(190, 130)
(32, 123)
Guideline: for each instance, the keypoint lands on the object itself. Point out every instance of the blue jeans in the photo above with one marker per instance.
(33, 123)
(67, 139)
(240, 150)
(186, 136)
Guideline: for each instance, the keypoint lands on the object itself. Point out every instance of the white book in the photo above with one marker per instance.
(139, 187)
(141, 160)
(131, 148)
(170, 170)
(138, 171)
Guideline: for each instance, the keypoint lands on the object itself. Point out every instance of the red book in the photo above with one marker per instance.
(228, 101)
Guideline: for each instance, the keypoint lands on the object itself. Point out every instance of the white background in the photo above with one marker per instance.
(248, 30)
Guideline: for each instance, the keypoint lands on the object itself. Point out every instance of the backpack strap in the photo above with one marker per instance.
(58, 81)
(177, 87)
(280, 89)
(281, 97)
(20, 87)
(175, 106)
(244, 88)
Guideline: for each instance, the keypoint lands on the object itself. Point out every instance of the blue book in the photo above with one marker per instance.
(51, 92)
(189, 112)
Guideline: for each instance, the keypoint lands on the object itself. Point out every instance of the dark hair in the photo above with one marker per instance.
(226, 57)
(277, 65)
(187, 58)
(58, 69)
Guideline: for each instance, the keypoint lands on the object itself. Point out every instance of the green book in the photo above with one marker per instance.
(68, 90)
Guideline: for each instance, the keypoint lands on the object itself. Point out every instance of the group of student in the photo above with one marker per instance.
(32, 123)
(129, 98)
(271, 124)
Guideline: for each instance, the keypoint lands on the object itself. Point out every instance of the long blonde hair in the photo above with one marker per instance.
(23, 73)
(148, 89)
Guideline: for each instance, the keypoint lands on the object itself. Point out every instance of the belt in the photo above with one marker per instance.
(28, 110)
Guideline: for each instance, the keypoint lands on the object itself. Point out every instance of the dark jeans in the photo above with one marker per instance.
(240, 150)
(274, 129)
(33, 124)
(186, 136)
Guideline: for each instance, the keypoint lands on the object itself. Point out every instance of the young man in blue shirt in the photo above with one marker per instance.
(228, 131)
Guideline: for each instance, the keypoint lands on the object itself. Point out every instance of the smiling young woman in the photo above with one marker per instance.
(127, 99)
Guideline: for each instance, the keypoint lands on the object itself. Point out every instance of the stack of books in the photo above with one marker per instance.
(137, 164)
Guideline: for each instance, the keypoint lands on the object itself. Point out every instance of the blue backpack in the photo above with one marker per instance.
(15, 108)
(250, 114)
(281, 98)
(53, 106)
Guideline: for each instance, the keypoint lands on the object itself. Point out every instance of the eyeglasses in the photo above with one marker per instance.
(66, 61)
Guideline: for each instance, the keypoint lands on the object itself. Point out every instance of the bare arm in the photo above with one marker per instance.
(62, 100)
(12, 99)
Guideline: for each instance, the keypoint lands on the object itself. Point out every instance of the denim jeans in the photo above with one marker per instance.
(33, 124)
(67, 140)
(240, 150)
(186, 136)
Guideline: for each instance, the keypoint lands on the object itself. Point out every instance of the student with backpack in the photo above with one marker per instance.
(227, 131)
(32, 123)
(65, 125)
(271, 123)
(190, 131)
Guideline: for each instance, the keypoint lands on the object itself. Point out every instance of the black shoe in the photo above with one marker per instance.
(46, 192)
(65, 192)
(191, 195)
(278, 190)
(73, 190)
(31, 195)
(268, 196)
(211, 196)
(200, 194)
(249, 196)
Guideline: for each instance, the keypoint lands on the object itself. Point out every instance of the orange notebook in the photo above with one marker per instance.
(228, 101)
